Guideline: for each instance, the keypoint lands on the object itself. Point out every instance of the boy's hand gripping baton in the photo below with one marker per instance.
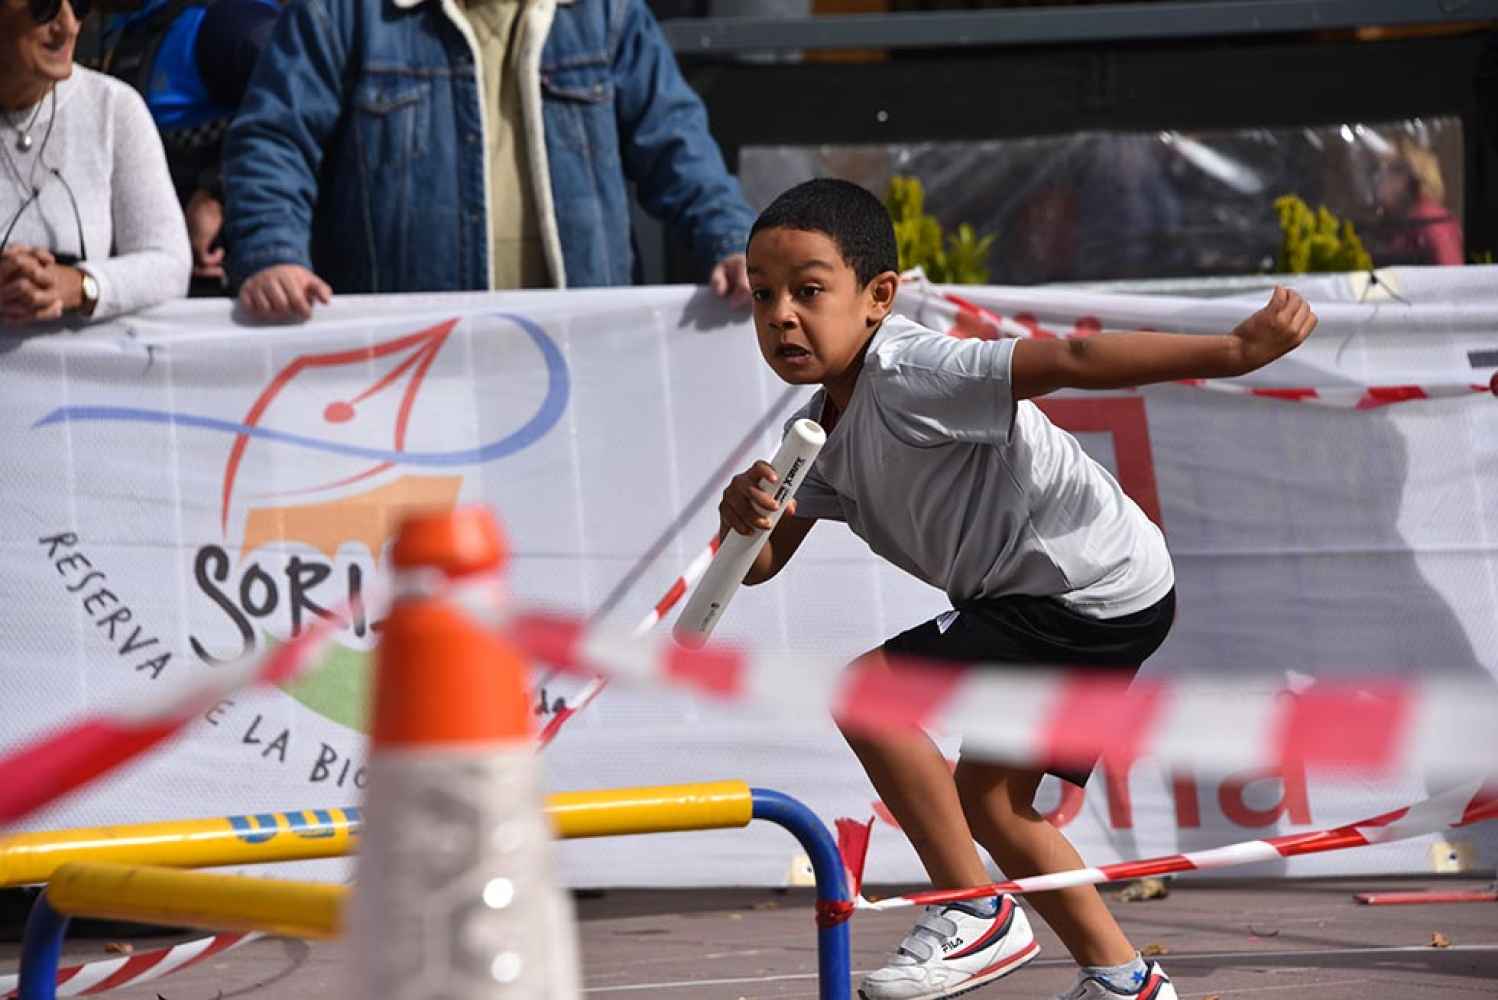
(737, 552)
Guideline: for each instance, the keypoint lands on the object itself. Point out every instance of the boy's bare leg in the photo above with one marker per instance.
(915, 782)
(999, 804)
(912, 778)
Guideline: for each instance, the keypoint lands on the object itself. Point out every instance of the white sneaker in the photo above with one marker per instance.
(1154, 986)
(951, 951)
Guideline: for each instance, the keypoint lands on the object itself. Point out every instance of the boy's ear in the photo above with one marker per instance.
(881, 292)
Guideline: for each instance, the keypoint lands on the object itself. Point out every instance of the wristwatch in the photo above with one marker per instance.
(90, 292)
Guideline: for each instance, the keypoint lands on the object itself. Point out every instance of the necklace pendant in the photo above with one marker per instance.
(23, 142)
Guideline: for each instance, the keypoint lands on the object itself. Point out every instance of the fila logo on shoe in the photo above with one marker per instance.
(996, 930)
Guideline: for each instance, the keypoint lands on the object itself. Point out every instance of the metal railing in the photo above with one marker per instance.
(1058, 25)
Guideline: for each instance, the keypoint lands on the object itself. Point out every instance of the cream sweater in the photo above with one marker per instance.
(105, 146)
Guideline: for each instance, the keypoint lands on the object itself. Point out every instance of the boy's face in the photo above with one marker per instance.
(810, 312)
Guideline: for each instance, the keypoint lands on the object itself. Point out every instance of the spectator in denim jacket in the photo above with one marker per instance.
(427, 145)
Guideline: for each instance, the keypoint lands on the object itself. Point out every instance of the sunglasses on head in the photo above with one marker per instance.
(46, 11)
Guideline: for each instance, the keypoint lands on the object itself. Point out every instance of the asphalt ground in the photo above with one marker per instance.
(1257, 940)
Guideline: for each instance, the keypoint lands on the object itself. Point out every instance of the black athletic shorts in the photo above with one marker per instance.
(1039, 632)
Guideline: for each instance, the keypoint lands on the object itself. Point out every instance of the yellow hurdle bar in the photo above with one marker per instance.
(614, 812)
(161, 895)
(297, 835)
(197, 899)
(302, 835)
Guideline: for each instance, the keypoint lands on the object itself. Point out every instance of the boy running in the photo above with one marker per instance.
(936, 458)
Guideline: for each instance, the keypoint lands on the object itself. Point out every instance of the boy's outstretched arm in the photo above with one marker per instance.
(745, 508)
(1124, 360)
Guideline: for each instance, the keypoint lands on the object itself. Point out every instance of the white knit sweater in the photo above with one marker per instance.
(105, 146)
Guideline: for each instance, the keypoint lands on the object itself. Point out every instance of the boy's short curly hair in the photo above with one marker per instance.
(849, 215)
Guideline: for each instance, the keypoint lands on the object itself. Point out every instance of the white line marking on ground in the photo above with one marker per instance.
(1234, 991)
(1248, 958)
(684, 983)
(1318, 952)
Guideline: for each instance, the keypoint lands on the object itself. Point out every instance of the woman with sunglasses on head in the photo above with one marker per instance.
(89, 223)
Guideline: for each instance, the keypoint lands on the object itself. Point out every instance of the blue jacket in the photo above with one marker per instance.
(191, 60)
(358, 150)
(195, 56)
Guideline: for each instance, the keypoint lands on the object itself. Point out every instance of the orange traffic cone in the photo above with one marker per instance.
(455, 896)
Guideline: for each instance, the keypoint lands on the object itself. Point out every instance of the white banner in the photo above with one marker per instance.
(182, 489)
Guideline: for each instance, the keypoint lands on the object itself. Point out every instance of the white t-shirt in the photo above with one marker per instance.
(944, 474)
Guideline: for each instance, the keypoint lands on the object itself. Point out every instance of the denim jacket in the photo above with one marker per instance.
(358, 151)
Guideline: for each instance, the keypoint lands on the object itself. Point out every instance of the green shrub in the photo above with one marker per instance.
(1317, 241)
(956, 259)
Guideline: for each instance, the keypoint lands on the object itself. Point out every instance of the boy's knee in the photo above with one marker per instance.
(854, 736)
(857, 737)
(979, 795)
(867, 745)
(975, 810)
(988, 790)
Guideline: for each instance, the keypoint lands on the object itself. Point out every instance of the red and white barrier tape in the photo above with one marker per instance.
(1462, 806)
(66, 759)
(70, 757)
(1350, 397)
(1345, 397)
(685, 582)
(1057, 717)
(1039, 716)
(113, 973)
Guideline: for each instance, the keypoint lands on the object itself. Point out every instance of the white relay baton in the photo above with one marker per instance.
(736, 554)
